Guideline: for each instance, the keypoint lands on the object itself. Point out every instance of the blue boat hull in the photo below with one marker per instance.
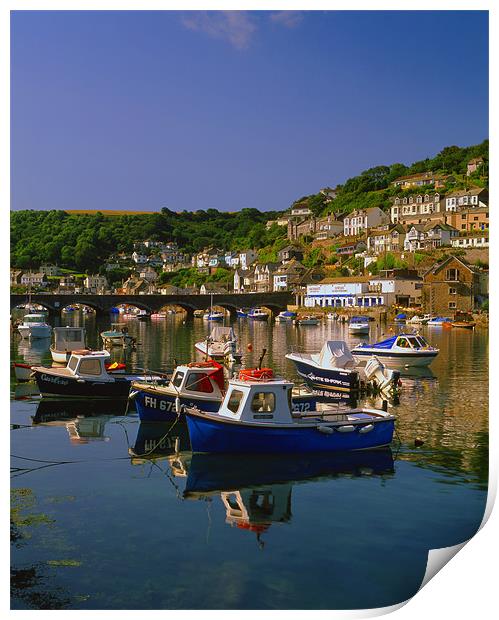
(153, 407)
(162, 408)
(208, 435)
(333, 379)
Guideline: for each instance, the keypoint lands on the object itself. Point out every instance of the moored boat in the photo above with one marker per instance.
(398, 351)
(66, 340)
(213, 315)
(358, 325)
(241, 313)
(464, 324)
(307, 319)
(285, 317)
(257, 314)
(256, 417)
(220, 344)
(117, 336)
(201, 385)
(85, 376)
(401, 317)
(439, 321)
(34, 326)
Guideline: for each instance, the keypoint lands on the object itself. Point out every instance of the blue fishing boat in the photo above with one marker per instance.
(199, 384)
(285, 317)
(256, 417)
(241, 314)
(257, 314)
(398, 351)
(114, 310)
(401, 318)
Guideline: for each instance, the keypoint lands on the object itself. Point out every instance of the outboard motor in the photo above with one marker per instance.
(385, 378)
(230, 350)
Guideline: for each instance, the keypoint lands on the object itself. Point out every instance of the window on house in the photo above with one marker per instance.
(452, 291)
(452, 274)
(475, 219)
(452, 305)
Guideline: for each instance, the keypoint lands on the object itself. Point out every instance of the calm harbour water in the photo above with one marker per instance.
(95, 527)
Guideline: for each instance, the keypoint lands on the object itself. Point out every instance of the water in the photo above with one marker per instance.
(95, 527)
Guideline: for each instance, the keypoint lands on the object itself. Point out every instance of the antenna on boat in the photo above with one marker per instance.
(261, 358)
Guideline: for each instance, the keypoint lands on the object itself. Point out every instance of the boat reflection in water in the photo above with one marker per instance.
(159, 440)
(256, 490)
(84, 420)
(33, 351)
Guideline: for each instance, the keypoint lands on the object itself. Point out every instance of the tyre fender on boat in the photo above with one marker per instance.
(327, 430)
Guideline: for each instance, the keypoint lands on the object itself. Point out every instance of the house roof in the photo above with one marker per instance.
(438, 266)
(473, 191)
(342, 280)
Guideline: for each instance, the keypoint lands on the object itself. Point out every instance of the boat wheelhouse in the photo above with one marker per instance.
(34, 326)
(398, 351)
(66, 340)
(256, 417)
(213, 315)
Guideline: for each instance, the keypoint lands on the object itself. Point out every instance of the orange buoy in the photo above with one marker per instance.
(250, 347)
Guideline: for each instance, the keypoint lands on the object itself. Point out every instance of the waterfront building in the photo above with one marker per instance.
(288, 276)
(95, 284)
(401, 287)
(450, 286)
(33, 279)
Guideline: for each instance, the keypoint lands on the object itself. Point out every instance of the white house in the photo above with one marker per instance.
(139, 259)
(424, 237)
(414, 206)
(95, 284)
(33, 279)
(464, 198)
(358, 221)
(471, 241)
(247, 258)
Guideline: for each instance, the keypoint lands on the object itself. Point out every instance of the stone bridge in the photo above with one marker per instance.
(102, 304)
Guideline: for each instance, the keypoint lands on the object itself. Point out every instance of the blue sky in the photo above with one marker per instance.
(188, 110)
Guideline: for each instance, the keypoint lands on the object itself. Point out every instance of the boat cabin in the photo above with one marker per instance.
(359, 319)
(258, 401)
(403, 341)
(88, 365)
(69, 338)
(202, 379)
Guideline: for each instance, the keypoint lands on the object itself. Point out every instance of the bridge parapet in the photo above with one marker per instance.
(102, 304)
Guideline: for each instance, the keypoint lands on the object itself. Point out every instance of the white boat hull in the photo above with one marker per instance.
(358, 329)
(35, 331)
(394, 361)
